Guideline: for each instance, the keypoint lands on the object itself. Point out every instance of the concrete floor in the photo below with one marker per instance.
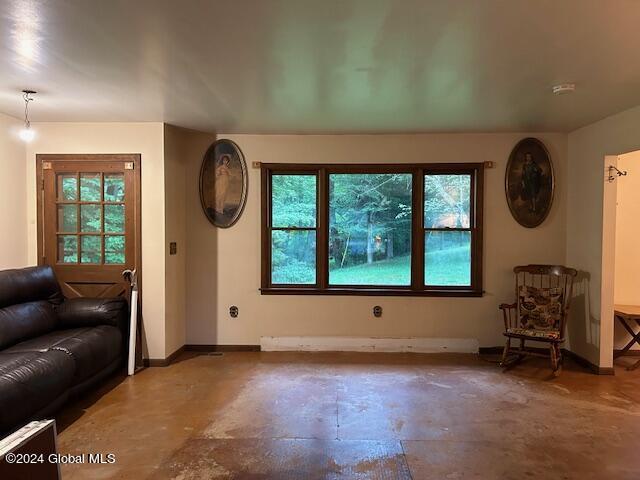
(355, 415)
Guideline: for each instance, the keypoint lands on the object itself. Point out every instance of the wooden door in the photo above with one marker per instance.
(89, 221)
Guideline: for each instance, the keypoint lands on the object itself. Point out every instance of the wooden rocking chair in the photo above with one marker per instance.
(543, 296)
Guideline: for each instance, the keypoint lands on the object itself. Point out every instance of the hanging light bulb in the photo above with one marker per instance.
(27, 134)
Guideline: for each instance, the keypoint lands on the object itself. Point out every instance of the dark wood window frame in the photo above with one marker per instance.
(417, 287)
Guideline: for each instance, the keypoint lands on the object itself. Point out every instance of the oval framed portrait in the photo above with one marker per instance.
(223, 183)
(529, 182)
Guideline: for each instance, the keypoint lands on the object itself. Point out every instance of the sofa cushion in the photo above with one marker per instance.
(91, 348)
(29, 381)
(25, 320)
(29, 285)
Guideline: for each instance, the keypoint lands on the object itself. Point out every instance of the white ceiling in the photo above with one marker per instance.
(322, 66)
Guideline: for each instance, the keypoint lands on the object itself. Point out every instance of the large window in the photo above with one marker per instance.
(372, 229)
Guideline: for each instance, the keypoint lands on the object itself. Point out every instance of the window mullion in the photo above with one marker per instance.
(470, 229)
(265, 179)
(322, 234)
(417, 230)
(477, 188)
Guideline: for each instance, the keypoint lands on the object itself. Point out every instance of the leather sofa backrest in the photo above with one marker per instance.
(24, 321)
(27, 300)
(29, 285)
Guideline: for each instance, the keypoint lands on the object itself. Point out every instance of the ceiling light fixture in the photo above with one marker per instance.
(564, 88)
(27, 134)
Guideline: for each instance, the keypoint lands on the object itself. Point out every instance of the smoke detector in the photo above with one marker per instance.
(564, 88)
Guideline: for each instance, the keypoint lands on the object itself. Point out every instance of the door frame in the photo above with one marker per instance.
(608, 262)
(136, 158)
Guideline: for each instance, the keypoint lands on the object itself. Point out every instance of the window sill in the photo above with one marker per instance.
(388, 292)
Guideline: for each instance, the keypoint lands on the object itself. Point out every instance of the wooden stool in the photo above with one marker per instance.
(626, 314)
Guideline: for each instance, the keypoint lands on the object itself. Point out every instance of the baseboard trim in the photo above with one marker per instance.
(163, 362)
(574, 356)
(369, 344)
(586, 363)
(606, 371)
(222, 348)
(490, 350)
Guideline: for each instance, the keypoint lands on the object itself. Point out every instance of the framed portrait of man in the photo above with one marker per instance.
(529, 182)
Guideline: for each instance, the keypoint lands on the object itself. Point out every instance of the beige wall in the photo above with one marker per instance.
(225, 263)
(175, 231)
(216, 268)
(627, 253)
(147, 140)
(202, 250)
(220, 267)
(13, 197)
(590, 325)
(193, 267)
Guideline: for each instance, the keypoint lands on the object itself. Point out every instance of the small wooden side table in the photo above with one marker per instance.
(626, 314)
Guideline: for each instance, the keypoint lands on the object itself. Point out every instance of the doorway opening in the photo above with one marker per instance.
(620, 314)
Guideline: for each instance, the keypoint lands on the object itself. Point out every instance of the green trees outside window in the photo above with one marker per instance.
(293, 236)
(91, 215)
(447, 222)
(370, 229)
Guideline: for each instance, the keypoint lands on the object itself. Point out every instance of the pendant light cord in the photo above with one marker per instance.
(27, 99)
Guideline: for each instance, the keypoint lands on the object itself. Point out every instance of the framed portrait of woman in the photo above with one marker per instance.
(223, 183)
(529, 182)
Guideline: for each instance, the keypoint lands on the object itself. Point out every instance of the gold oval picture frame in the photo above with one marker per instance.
(529, 182)
(223, 183)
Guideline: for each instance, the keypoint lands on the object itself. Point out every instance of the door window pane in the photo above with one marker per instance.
(68, 218)
(114, 249)
(447, 258)
(90, 187)
(91, 249)
(114, 187)
(447, 201)
(67, 187)
(90, 218)
(293, 200)
(114, 218)
(67, 249)
(370, 229)
(293, 257)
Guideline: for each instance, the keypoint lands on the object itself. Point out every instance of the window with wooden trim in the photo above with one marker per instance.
(347, 229)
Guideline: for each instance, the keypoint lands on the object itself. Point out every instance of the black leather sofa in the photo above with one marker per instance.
(52, 348)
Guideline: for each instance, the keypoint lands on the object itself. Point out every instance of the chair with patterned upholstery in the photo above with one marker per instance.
(543, 296)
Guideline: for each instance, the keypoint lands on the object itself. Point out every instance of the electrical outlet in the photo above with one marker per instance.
(233, 311)
(377, 311)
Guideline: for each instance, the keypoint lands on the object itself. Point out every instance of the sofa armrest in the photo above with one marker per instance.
(90, 312)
